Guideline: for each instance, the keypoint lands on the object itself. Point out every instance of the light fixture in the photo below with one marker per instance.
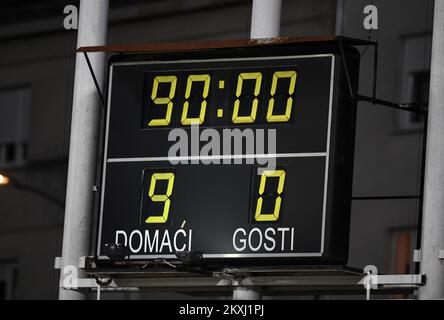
(4, 180)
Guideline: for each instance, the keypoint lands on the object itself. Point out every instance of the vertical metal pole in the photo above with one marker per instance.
(246, 293)
(93, 21)
(265, 23)
(265, 19)
(433, 209)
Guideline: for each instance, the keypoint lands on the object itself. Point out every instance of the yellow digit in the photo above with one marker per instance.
(164, 100)
(259, 216)
(161, 197)
(257, 76)
(276, 76)
(203, 106)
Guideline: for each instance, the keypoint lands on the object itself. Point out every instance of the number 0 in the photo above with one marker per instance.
(259, 216)
(286, 116)
(205, 78)
(257, 76)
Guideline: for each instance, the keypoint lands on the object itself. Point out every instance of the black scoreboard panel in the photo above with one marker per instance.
(296, 213)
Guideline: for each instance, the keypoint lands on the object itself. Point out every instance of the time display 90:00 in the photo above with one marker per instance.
(185, 98)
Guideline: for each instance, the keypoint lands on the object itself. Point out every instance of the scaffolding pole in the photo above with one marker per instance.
(432, 242)
(265, 19)
(265, 23)
(93, 21)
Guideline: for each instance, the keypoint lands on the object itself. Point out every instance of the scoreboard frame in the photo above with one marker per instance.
(335, 229)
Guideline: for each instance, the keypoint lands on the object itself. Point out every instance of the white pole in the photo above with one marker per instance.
(265, 19)
(265, 23)
(433, 210)
(93, 21)
(246, 293)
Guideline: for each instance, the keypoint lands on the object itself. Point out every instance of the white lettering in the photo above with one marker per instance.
(131, 242)
(166, 242)
(176, 248)
(242, 241)
(270, 239)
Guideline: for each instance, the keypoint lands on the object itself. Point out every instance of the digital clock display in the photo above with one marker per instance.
(229, 206)
(223, 96)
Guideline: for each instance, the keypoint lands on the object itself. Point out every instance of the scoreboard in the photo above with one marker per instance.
(231, 210)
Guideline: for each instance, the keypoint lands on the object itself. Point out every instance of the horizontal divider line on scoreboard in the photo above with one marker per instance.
(221, 157)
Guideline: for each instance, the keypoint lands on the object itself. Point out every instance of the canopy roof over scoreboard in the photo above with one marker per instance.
(219, 44)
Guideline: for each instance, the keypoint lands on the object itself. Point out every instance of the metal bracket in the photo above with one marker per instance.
(397, 280)
(409, 107)
(271, 284)
(225, 276)
(82, 262)
(57, 263)
(417, 255)
(96, 83)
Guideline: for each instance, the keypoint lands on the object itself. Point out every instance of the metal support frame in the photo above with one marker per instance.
(96, 82)
(409, 107)
(269, 285)
(245, 283)
(418, 108)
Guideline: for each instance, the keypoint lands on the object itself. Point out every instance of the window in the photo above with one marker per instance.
(415, 80)
(3, 290)
(15, 105)
(8, 275)
(419, 83)
(403, 242)
(402, 246)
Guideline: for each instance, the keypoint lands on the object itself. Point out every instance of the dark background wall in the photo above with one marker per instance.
(388, 142)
